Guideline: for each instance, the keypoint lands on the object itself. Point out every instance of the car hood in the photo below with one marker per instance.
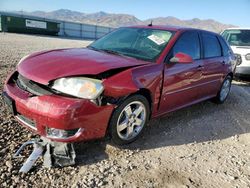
(42, 67)
(243, 50)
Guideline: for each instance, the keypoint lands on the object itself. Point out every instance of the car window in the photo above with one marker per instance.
(225, 48)
(237, 37)
(211, 45)
(142, 43)
(189, 44)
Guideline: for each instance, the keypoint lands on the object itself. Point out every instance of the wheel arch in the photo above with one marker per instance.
(141, 91)
(147, 94)
(142, 96)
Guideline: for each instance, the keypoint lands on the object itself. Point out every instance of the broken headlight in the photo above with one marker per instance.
(81, 87)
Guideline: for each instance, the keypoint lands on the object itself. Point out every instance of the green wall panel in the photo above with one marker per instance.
(27, 25)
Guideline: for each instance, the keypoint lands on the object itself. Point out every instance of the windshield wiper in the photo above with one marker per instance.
(111, 51)
(92, 48)
(114, 52)
(105, 50)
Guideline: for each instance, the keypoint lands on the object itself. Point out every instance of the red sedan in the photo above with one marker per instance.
(116, 84)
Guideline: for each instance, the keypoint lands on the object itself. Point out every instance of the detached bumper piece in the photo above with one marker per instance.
(55, 154)
(37, 152)
(58, 154)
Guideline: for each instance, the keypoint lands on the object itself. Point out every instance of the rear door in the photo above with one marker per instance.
(229, 56)
(214, 64)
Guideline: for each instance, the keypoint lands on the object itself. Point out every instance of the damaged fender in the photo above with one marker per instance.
(147, 77)
(120, 85)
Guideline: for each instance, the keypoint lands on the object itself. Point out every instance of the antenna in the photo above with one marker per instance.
(151, 24)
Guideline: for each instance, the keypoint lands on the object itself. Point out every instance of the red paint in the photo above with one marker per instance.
(53, 64)
(171, 85)
(62, 113)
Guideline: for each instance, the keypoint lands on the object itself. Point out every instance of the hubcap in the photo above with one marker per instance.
(225, 90)
(131, 120)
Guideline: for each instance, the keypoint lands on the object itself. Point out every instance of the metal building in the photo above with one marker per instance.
(12, 22)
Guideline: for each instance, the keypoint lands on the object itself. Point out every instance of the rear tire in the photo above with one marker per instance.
(129, 119)
(224, 91)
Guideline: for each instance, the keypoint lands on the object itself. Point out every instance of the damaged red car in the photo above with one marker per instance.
(116, 84)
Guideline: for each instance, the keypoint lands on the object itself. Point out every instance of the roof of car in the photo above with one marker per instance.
(238, 28)
(168, 27)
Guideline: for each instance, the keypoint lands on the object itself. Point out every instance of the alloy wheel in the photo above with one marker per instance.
(131, 120)
(225, 89)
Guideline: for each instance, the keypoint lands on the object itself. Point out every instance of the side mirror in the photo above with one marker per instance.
(181, 58)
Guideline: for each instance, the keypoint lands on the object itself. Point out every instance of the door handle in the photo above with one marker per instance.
(200, 67)
(223, 62)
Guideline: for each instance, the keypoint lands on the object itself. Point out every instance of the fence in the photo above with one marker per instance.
(79, 30)
(70, 29)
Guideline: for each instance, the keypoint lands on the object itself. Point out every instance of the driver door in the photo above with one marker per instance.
(182, 81)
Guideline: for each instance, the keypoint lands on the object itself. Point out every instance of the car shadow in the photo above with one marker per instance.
(198, 123)
(90, 152)
(242, 81)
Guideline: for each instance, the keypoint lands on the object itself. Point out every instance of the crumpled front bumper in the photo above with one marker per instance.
(38, 113)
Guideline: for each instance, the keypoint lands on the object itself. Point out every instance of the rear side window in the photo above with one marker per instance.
(225, 48)
(189, 44)
(211, 46)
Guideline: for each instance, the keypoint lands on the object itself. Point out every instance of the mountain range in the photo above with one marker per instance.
(117, 20)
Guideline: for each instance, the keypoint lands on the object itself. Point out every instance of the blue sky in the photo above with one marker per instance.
(235, 12)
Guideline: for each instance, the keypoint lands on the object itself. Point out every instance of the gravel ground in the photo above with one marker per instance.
(205, 145)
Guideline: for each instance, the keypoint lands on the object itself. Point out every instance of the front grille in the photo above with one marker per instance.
(31, 86)
(30, 123)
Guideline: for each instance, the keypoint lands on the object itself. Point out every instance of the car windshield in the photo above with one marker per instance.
(237, 37)
(141, 43)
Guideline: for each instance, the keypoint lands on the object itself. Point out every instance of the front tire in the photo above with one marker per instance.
(129, 119)
(224, 91)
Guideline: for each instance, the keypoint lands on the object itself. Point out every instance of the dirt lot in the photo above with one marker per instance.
(205, 145)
